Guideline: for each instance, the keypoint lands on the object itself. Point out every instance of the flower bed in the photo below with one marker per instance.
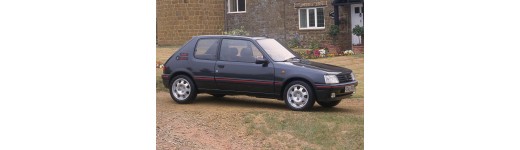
(321, 53)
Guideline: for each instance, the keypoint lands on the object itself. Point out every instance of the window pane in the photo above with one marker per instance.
(249, 53)
(356, 10)
(241, 5)
(303, 18)
(228, 50)
(276, 50)
(237, 50)
(312, 22)
(321, 19)
(206, 49)
(256, 52)
(232, 5)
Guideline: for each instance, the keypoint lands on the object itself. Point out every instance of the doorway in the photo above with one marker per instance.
(357, 11)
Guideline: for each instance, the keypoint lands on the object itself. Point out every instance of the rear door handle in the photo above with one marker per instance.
(220, 66)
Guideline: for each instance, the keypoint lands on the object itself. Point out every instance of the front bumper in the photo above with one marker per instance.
(324, 91)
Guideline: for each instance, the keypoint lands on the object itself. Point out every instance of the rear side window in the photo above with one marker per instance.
(206, 49)
(239, 51)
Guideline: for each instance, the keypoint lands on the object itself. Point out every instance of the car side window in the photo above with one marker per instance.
(256, 53)
(239, 51)
(206, 49)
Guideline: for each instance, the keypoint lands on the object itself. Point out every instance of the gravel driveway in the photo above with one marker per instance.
(219, 123)
(242, 122)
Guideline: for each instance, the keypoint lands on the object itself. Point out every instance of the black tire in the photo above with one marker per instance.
(290, 102)
(189, 95)
(329, 104)
(218, 95)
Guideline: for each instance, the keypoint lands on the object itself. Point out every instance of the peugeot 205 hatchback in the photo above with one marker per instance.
(255, 66)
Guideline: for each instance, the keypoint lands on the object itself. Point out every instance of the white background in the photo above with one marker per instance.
(80, 74)
(77, 74)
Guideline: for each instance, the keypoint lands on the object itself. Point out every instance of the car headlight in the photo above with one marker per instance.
(331, 79)
(352, 75)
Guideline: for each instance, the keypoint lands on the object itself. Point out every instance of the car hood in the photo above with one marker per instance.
(319, 66)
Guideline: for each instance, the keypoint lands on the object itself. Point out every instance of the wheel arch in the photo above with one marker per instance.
(289, 80)
(177, 73)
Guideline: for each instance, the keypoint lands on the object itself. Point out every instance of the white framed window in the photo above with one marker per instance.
(311, 18)
(236, 6)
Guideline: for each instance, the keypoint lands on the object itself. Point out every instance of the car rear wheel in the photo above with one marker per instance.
(329, 104)
(299, 96)
(182, 89)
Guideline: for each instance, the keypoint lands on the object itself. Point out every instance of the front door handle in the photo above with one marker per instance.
(220, 66)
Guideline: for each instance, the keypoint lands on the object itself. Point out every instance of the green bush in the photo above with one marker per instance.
(293, 43)
(238, 32)
(314, 45)
(333, 32)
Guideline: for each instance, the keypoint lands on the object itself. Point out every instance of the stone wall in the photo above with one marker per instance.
(262, 18)
(279, 19)
(179, 20)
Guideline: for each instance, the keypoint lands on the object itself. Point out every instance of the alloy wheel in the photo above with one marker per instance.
(181, 89)
(297, 96)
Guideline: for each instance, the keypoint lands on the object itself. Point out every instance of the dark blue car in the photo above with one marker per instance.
(256, 66)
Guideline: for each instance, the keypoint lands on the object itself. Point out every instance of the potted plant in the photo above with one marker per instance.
(358, 31)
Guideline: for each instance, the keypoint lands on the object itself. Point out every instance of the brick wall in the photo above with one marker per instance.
(179, 20)
(279, 19)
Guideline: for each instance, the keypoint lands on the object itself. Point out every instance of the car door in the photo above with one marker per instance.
(236, 69)
(203, 67)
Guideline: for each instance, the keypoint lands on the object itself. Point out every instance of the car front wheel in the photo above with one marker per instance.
(329, 104)
(299, 96)
(182, 89)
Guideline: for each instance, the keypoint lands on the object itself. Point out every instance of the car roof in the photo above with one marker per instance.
(230, 36)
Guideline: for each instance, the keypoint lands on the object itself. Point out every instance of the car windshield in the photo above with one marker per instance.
(276, 50)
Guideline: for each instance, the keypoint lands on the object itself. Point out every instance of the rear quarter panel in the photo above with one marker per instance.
(179, 61)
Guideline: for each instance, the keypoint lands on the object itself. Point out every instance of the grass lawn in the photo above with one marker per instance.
(326, 130)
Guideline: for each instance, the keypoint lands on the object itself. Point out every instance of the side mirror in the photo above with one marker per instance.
(261, 61)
